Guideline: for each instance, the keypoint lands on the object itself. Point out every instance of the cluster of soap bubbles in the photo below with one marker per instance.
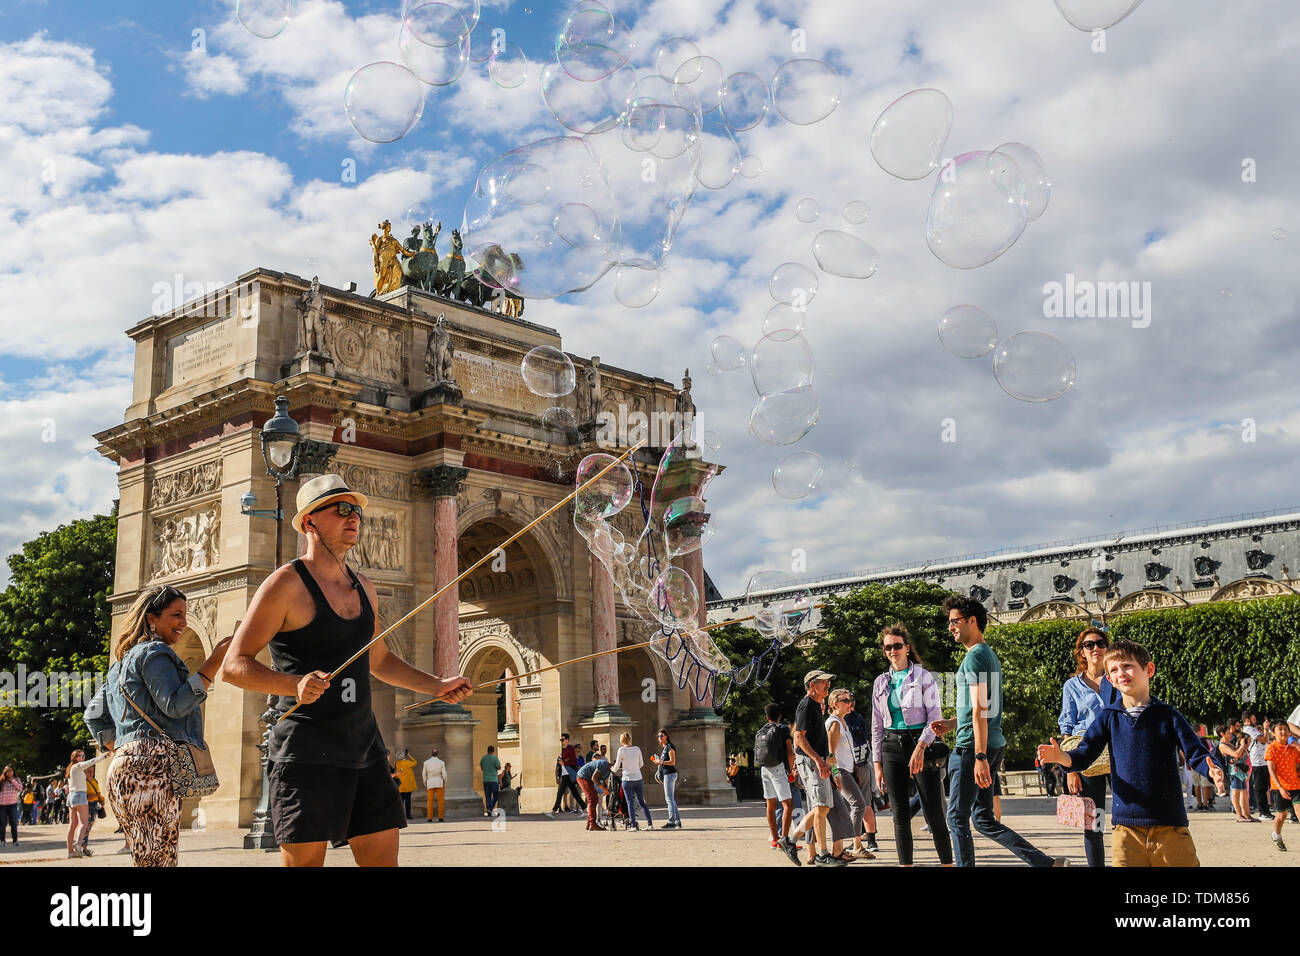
(674, 521)
(436, 42)
(645, 130)
(982, 200)
(548, 373)
(1031, 366)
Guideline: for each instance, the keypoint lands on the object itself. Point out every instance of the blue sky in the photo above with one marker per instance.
(210, 164)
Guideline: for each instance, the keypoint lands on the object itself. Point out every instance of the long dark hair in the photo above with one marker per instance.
(668, 741)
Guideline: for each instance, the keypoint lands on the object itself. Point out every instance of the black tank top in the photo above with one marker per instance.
(338, 729)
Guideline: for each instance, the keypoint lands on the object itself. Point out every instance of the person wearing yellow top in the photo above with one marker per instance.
(405, 765)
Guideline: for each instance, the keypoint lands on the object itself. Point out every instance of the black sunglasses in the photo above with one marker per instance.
(1089, 645)
(344, 508)
(163, 598)
(894, 647)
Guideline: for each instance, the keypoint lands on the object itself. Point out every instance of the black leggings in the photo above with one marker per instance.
(895, 753)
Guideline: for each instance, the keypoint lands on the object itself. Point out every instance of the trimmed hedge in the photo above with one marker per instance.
(1204, 655)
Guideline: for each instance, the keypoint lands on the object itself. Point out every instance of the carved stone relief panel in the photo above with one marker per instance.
(203, 611)
(186, 541)
(177, 486)
(366, 349)
(391, 608)
(377, 483)
(380, 545)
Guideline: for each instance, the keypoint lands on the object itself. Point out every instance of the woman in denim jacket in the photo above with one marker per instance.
(1083, 697)
(146, 668)
(904, 699)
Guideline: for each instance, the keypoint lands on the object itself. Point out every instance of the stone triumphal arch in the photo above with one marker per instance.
(416, 399)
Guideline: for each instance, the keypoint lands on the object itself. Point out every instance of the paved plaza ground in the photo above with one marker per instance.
(714, 836)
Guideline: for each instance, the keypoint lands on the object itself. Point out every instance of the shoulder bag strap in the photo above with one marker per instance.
(121, 684)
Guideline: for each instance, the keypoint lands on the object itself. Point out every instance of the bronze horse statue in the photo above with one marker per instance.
(421, 269)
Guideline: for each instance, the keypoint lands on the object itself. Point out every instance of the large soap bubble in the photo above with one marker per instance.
(699, 83)
(797, 475)
(1033, 366)
(635, 288)
(468, 9)
(782, 418)
(805, 91)
(263, 18)
(434, 42)
(1089, 15)
(967, 331)
(383, 101)
(548, 372)
(672, 54)
(783, 319)
(594, 43)
(508, 66)
(719, 155)
(676, 599)
(1038, 188)
(909, 135)
(781, 361)
(977, 210)
(538, 254)
(841, 254)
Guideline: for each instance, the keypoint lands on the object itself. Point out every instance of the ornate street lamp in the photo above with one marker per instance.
(281, 441)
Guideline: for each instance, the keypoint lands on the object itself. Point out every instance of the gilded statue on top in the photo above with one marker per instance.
(389, 253)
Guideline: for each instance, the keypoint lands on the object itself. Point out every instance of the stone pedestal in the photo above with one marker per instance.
(700, 739)
(439, 393)
(453, 735)
(311, 362)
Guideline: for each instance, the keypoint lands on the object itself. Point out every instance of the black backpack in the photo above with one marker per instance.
(767, 746)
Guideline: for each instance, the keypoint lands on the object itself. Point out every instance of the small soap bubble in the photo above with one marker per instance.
(508, 66)
(797, 475)
(793, 284)
(783, 318)
(783, 418)
(417, 214)
(672, 54)
(805, 91)
(1038, 188)
(1089, 15)
(1279, 233)
(841, 254)
(751, 167)
(856, 212)
(263, 18)
(807, 209)
(1033, 366)
(560, 419)
(967, 331)
(743, 101)
(728, 353)
(383, 101)
(635, 288)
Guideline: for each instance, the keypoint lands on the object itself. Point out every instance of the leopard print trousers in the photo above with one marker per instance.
(139, 791)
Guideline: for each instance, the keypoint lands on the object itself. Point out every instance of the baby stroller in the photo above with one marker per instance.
(611, 811)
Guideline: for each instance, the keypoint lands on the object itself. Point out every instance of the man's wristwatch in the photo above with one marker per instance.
(982, 756)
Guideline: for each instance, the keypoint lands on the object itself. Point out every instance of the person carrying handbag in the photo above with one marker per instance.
(148, 714)
(1083, 698)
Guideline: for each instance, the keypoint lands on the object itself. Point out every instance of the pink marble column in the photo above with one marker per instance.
(604, 636)
(512, 698)
(446, 610)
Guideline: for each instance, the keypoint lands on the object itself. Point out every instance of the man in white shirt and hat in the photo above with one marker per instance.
(329, 779)
(435, 781)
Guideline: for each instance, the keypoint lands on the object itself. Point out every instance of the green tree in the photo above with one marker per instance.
(850, 647)
(54, 617)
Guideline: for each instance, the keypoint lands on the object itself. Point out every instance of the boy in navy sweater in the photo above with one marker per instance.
(1145, 735)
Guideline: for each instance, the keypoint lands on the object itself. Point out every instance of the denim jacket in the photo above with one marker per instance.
(918, 698)
(160, 685)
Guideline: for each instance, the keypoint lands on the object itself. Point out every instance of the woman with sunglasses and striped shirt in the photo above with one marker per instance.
(1083, 697)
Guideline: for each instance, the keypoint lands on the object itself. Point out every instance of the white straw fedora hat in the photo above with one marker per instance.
(319, 492)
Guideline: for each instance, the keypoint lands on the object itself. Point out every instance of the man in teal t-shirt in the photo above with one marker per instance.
(491, 768)
(978, 753)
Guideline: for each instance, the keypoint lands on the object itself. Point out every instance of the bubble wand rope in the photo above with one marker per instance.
(588, 657)
(474, 567)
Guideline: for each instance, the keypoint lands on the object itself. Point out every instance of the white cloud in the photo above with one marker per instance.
(207, 74)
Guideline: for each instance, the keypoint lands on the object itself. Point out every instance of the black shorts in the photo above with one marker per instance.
(311, 803)
(1283, 804)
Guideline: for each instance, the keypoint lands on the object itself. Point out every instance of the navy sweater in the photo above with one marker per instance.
(1144, 774)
